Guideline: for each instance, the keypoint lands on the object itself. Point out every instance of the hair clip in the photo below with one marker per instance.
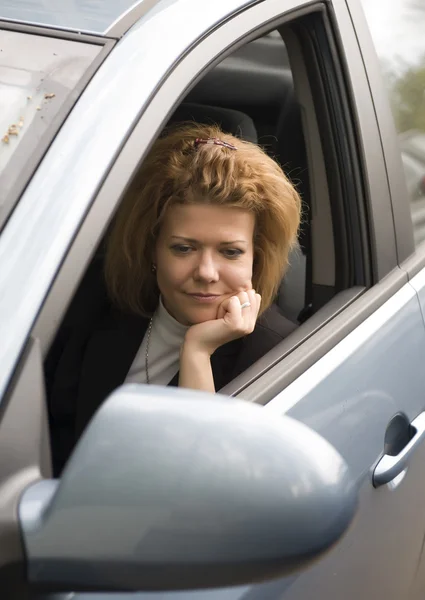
(214, 141)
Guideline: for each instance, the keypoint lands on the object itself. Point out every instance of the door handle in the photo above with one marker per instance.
(390, 466)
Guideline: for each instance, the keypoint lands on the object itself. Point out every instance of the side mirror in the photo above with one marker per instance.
(171, 489)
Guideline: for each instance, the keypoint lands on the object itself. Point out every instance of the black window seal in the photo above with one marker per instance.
(53, 32)
(354, 266)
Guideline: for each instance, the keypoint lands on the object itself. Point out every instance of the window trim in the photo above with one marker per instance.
(351, 209)
(312, 340)
(53, 32)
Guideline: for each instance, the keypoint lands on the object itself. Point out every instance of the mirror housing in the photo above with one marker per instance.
(172, 489)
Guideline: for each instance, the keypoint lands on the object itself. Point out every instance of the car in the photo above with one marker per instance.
(412, 144)
(304, 477)
(414, 170)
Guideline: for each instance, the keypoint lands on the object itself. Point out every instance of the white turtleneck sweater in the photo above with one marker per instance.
(164, 350)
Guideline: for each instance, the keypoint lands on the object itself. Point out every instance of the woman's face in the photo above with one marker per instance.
(204, 254)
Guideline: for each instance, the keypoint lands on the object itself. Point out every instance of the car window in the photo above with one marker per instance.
(37, 75)
(256, 80)
(398, 34)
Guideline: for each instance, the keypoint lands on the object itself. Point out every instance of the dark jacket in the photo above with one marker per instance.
(92, 357)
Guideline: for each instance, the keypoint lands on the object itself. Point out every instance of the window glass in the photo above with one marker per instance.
(37, 75)
(398, 30)
(91, 16)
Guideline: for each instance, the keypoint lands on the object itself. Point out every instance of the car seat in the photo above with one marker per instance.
(230, 121)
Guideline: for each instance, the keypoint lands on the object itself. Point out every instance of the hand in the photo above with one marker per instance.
(232, 322)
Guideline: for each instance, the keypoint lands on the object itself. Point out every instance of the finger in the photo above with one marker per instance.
(258, 299)
(252, 298)
(222, 309)
(250, 314)
(243, 297)
(248, 305)
(224, 306)
(234, 312)
(247, 302)
(255, 300)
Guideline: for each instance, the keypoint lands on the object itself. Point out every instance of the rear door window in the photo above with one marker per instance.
(38, 79)
(398, 33)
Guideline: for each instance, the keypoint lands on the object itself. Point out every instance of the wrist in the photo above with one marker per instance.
(195, 368)
(193, 348)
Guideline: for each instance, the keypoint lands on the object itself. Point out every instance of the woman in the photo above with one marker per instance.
(194, 256)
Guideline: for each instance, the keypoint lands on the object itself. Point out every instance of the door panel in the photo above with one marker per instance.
(350, 396)
(418, 283)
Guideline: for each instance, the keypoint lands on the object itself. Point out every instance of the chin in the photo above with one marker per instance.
(200, 316)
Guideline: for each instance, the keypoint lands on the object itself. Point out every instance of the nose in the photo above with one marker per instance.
(206, 269)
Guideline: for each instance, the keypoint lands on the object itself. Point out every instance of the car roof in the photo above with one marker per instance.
(110, 18)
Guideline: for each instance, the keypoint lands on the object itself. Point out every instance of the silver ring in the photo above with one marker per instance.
(245, 304)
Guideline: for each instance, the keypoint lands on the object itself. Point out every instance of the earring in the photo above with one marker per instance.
(153, 268)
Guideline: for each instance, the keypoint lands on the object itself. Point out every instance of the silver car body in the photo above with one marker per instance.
(354, 374)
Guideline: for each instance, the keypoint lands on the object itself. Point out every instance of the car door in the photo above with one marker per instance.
(398, 84)
(347, 374)
(361, 389)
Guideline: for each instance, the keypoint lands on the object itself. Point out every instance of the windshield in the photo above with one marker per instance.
(90, 16)
(37, 76)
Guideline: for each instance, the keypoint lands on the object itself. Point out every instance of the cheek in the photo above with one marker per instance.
(239, 275)
(171, 273)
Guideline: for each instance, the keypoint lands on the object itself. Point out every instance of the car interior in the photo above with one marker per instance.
(250, 94)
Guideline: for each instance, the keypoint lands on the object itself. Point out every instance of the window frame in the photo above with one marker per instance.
(332, 328)
(341, 314)
(409, 258)
(56, 200)
(183, 78)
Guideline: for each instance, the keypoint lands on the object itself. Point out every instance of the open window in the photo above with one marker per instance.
(285, 89)
(256, 81)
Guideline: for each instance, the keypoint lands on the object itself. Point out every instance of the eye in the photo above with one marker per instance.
(232, 252)
(181, 248)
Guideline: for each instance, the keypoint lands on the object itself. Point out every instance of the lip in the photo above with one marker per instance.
(205, 297)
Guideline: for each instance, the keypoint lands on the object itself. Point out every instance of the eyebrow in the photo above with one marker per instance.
(192, 241)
